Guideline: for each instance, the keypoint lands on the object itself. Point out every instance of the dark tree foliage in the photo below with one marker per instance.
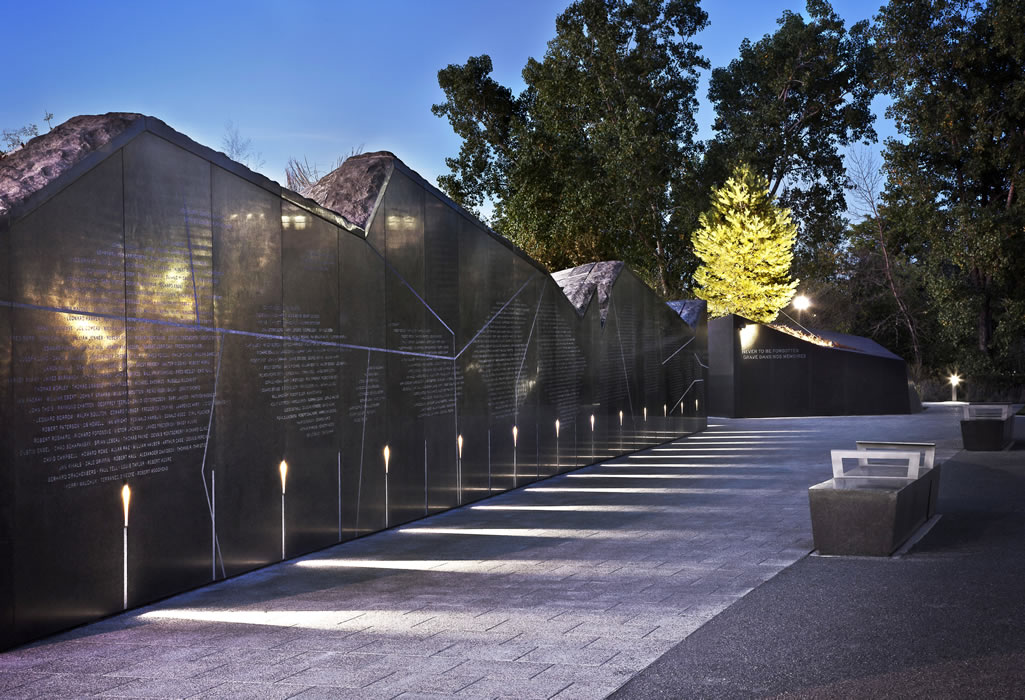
(956, 72)
(788, 105)
(596, 158)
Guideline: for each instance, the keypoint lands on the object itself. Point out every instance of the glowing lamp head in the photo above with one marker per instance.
(126, 497)
(621, 419)
(801, 302)
(283, 470)
(516, 432)
(459, 444)
(556, 427)
(387, 456)
(592, 422)
(954, 380)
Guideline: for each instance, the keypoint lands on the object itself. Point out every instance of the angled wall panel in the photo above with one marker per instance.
(267, 376)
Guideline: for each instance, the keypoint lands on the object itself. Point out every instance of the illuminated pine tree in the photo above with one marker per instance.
(746, 245)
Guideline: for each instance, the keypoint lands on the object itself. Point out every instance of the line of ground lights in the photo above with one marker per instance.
(679, 449)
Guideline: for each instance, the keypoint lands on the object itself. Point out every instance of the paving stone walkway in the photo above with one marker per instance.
(563, 589)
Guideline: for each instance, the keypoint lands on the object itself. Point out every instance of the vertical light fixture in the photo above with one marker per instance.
(556, 444)
(339, 496)
(665, 410)
(126, 497)
(620, 419)
(592, 436)
(516, 479)
(387, 457)
(954, 381)
(283, 470)
(213, 525)
(645, 414)
(459, 469)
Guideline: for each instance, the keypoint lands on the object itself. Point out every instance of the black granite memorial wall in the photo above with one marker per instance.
(202, 373)
(757, 371)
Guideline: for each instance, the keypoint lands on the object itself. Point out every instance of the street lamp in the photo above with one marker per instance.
(954, 381)
(801, 304)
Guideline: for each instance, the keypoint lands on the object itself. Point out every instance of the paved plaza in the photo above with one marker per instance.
(566, 588)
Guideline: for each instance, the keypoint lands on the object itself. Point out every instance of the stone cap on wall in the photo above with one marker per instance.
(48, 156)
(582, 282)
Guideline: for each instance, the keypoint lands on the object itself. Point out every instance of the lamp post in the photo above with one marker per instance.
(801, 304)
(954, 381)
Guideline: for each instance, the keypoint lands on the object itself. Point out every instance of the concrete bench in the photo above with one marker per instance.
(987, 426)
(876, 505)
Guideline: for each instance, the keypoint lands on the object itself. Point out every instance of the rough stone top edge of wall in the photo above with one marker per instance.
(353, 188)
(351, 191)
(581, 283)
(48, 156)
(45, 159)
(689, 310)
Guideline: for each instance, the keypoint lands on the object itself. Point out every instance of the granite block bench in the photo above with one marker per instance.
(987, 427)
(873, 506)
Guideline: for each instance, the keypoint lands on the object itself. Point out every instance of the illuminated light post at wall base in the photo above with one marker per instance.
(387, 456)
(516, 479)
(213, 525)
(126, 497)
(459, 469)
(954, 381)
(556, 444)
(283, 470)
(592, 436)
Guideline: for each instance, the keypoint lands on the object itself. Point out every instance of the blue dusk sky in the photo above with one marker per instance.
(312, 79)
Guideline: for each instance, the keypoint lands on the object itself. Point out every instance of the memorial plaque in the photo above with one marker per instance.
(362, 383)
(562, 368)
(247, 444)
(170, 363)
(420, 344)
(442, 224)
(476, 296)
(309, 408)
(68, 395)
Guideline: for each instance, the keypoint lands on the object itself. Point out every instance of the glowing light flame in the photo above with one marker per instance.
(516, 432)
(645, 414)
(556, 427)
(592, 422)
(459, 443)
(620, 419)
(126, 496)
(283, 470)
(665, 409)
(387, 456)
